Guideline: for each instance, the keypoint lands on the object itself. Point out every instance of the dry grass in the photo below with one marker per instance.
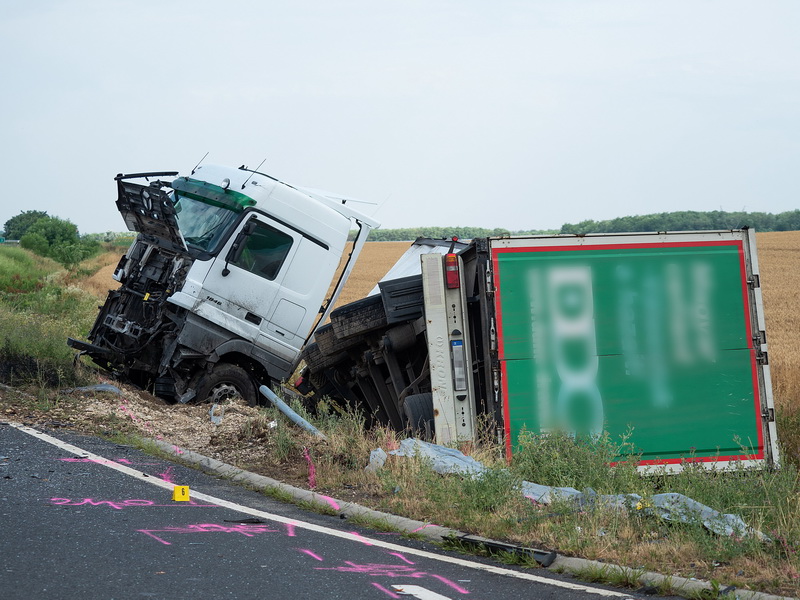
(103, 267)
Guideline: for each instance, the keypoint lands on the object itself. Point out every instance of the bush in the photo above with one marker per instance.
(35, 242)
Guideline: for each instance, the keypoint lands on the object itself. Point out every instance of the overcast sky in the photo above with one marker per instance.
(515, 114)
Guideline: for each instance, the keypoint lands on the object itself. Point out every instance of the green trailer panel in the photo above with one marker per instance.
(651, 337)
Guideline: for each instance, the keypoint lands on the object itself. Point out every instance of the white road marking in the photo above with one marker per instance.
(418, 592)
(353, 537)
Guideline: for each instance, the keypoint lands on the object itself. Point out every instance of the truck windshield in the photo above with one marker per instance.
(205, 212)
(202, 224)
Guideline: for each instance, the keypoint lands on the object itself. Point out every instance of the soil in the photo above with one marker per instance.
(238, 439)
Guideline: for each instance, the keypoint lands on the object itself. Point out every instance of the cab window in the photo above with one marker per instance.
(265, 251)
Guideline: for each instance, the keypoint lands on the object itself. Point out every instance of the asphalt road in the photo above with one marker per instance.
(74, 525)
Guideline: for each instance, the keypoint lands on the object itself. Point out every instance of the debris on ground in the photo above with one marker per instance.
(667, 506)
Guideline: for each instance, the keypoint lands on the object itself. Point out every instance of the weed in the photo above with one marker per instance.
(562, 460)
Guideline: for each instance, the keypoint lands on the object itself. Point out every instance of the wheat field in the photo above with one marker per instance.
(779, 262)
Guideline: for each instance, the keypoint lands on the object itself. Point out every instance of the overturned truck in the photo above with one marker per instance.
(232, 280)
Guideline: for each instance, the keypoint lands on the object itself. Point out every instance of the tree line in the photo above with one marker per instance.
(667, 221)
(690, 220)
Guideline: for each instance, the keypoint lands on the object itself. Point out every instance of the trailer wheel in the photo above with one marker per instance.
(329, 344)
(317, 361)
(226, 381)
(359, 317)
(418, 409)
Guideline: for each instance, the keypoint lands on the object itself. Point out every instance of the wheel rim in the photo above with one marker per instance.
(224, 391)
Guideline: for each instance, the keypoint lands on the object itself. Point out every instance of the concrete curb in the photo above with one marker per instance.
(436, 533)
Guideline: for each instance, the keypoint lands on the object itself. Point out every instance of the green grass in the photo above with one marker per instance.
(22, 271)
(560, 460)
(788, 424)
(37, 314)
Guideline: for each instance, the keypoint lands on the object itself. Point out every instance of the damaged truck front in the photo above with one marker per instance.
(229, 274)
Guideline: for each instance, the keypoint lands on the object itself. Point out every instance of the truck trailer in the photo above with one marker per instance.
(655, 338)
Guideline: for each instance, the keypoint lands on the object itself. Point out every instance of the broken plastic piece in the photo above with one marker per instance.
(377, 458)
(668, 506)
(216, 412)
(100, 387)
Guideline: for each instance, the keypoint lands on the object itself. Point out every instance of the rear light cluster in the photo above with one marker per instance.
(451, 274)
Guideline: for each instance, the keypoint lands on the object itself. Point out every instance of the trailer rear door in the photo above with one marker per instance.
(660, 335)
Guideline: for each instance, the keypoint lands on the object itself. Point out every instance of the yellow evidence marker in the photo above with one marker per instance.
(180, 493)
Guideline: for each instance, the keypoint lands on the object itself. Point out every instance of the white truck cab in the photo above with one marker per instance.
(225, 282)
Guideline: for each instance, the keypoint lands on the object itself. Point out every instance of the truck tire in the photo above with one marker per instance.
(318, 361)
(359, 317)
(329, 343)
(418, 409)
(226, 381)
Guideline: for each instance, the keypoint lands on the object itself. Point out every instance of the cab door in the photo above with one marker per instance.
(243, 285)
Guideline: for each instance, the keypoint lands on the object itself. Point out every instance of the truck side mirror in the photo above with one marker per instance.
(238, 245)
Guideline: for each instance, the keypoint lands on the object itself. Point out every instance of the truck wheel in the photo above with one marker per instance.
(418, 409)
(226, 381)
(328, 343)
(317, 361)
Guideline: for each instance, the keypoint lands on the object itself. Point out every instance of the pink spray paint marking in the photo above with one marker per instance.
(121, 504)
(534, 501)
(452, 584)
(423, 527)
(401, 557)
(124, 408)
(311, 554)
(167, 475)
(176, 449)
(312, 471)
(375, 569)
(361, 538)
(155, 537)
(290, 529)
(115, 504)
(379, 570)
(329, 500)
(389, 593)
(245, 529)
(104, 461)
